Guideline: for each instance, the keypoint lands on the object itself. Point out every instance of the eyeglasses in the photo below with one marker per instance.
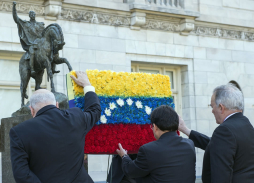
(210, 105)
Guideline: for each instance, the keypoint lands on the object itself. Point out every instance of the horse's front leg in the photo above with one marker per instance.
(50, 75)
(59, 60)
(38, 80)
(25, 77)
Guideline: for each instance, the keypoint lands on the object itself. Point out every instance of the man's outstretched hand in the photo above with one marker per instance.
(82, 79)
(121, 151)
(182, 127)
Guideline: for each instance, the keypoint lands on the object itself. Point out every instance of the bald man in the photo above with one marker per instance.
(49, 148)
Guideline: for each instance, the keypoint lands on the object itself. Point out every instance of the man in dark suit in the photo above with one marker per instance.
(169, 159)
(49, 148)
(229, 153)
(116, 174)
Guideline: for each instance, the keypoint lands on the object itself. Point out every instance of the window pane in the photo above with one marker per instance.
(149, 71)
(131, 69)
(171, 77)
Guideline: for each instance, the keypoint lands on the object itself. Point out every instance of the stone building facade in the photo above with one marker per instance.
(200, 44)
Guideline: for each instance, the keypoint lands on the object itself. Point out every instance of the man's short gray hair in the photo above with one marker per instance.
(40, 99)
(229, 96)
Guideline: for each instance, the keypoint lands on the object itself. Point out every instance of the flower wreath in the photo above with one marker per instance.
(127, 100)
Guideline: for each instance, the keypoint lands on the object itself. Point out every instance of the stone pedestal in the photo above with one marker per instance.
(6, 125)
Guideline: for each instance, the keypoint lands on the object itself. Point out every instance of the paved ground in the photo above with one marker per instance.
(197, 181)
(100, 177)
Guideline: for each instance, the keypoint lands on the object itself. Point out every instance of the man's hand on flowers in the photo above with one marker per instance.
(121, 152)
(182, 127)
(82, 79)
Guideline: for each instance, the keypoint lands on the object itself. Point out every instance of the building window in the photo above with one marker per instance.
(174, 75)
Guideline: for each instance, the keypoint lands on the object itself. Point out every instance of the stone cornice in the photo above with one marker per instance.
(22, 7)
(221, 32)
(162, 25)
(118, 20)
(152, 22)
(95, 17)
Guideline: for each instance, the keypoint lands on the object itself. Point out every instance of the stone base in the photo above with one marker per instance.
(6, 125)
(61, 98)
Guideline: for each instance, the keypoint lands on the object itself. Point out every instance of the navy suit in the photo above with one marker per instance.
(50, 147)
(170, 159)
(229, 154)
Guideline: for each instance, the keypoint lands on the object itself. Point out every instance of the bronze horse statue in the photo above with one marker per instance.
(45, 57)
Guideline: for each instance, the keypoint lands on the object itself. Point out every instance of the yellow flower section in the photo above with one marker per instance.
(78, 90)
(109, 83)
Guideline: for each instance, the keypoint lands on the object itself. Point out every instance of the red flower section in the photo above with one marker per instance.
(104, 139)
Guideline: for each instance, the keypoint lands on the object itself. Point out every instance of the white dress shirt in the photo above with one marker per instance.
(88, 89)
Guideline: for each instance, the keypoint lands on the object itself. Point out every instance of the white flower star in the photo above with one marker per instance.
(120, 102)
(139, 105)
(129, 101)
(108, 112)
(112, 106)
(148, 110)
(103, 119)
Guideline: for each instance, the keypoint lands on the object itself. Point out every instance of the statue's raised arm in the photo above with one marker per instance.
(14, 13)
(23, 33)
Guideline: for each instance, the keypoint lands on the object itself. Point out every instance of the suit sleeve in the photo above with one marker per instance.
(222, 152)
(136, 168)
(19, 161)
(200, 140)
(92, 110)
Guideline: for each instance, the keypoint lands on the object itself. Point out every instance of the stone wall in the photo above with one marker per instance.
(230, 12)
(214, 52)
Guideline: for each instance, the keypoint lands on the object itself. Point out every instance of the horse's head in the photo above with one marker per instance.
(54, 32)
(57, 45)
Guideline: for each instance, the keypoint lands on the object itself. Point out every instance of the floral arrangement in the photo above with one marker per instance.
(127, 100)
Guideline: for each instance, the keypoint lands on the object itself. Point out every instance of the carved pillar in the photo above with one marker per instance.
(137, 20)
(186, 26)
(52, 9)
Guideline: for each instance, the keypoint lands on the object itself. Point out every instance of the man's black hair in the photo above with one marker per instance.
(165, 118)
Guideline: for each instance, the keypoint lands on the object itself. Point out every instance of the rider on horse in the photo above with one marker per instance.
(29, 31)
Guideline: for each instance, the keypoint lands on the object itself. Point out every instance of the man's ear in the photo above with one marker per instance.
(57, 104)
(222, 108)
(32, 111)
(155, 127)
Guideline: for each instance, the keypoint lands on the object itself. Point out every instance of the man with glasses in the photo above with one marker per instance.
(229, 153)
(169, 159)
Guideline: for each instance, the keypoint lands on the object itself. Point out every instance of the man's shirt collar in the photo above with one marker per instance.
(230, 115)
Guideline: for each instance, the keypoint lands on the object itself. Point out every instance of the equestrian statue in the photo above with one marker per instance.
(41, 46)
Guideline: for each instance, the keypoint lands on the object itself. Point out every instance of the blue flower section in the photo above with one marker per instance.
(128, 114)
